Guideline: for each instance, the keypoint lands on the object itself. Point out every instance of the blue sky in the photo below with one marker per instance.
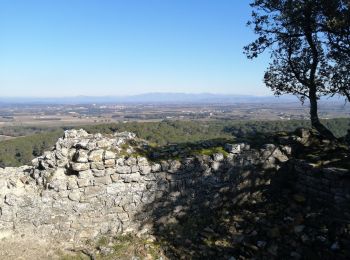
(122, 47)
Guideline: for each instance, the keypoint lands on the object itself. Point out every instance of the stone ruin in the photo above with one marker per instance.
(92, 185)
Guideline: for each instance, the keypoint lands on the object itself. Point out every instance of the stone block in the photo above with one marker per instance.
(98, 173)
(74, 195)
(134, 168)
(174, 166)
(124, 217)
(109, 163)
(142, 161)
(116, 188)
(233, 148)
(109, 155)
(98, 165)
(156, 167)
(93, 191)
(104, 143)
(84, 183)
(123, 169)
(120, 162)
(81, 156)
(78, 167)
(145, 169)
(218, 157)
(85, 174)
(131, 161)
(215, 165)
(96, 155)
(103, 180)
(115, 177)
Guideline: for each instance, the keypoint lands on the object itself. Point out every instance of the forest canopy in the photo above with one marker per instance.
(23, 149)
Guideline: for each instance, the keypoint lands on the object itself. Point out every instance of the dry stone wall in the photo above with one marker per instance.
(93, 185)
(84, 188)
(330, 186)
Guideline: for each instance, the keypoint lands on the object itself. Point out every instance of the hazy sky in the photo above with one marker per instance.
(121, 47)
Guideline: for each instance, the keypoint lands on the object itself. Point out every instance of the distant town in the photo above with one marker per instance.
(59, 115)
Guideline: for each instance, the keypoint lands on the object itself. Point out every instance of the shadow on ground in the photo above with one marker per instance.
(249, 213)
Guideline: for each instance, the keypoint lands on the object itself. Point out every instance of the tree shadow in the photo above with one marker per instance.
(235, 209)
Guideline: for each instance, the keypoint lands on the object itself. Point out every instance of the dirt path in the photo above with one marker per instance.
(27, 249)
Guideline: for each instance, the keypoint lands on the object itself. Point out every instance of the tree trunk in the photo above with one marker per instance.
(315, 121)
(347, 94)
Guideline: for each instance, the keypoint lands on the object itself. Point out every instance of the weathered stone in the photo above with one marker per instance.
(125, 177)
(62, 152)
(279, 155)
(85, 174)
(7, 214)
(57, 180)
(156, 167)
(103, 180)
(115, 177)
(72, 183)
(78, 167)
(10, 199)
(165, 165)
(93, 191)
(98, 173)
(123, 169)
(81, 156)
(84, 182)
(109, 155)
(35, 162)
(91, 145)
(116, 188)
(71, 153)
(135, 168)
(131, 161)
(174, 166)
(98, 165)
(135, 177)
(215, 165)
(74, 195)
(233, 148)
(287, 150)
(120, 161)
(142, 161)
(104, 143)
(218, 157)
(145, 169)
(109, 163)
(96, 156)
(124, 217)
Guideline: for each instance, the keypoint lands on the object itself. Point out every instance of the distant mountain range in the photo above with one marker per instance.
(154, 98)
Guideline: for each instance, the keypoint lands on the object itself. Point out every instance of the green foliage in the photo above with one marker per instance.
(22, 150)
(211, 151)
(102, 241)
(17, 131)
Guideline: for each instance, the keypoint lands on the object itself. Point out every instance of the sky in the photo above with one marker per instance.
(126, 47)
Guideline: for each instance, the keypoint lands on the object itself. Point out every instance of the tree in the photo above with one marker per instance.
(290, 31)
(336, 22)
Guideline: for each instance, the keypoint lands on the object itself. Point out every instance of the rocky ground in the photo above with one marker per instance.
(26, 248)
(279, 226)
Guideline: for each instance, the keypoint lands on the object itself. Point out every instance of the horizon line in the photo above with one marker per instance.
(147, 93)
